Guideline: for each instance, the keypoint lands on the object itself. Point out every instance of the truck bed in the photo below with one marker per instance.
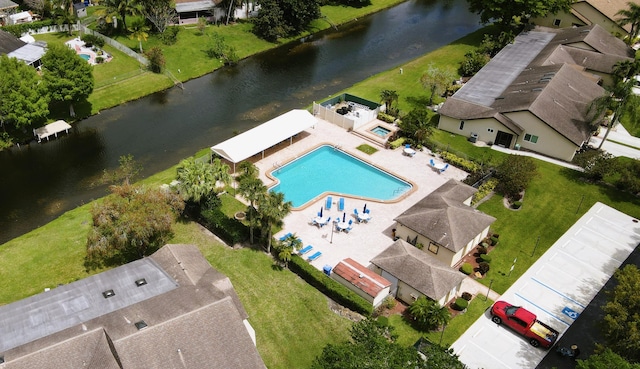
(544, 331)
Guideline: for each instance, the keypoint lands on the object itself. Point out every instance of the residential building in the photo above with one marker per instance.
(168, 310)
(587, 13)
(30, 53)
(7, 7)
(367, 284)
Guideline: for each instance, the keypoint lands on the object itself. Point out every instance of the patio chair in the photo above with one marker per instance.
(325, 222)
(327, 205)
(355, 212)
(432, 163)
(444, 168)
(348, 229)
(306, 249)
(315, 256)
(341, 204)
(408, 151)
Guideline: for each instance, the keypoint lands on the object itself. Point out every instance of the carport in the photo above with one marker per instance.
(557, 288)
(264, 136)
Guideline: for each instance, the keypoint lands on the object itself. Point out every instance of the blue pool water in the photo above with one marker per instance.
(380, 131)
(330, 170)
(85, 56)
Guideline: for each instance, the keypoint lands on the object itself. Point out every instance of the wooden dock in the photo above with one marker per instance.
(51, 129)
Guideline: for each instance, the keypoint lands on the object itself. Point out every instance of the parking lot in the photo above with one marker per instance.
(557, 288)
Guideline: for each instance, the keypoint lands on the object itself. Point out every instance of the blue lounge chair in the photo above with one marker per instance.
(285, 236)
(348, 229)
(327, 205)
(306, 249)
(432, 163)
(315, 256)
(355, 212)
(341, 204)
(445, 168)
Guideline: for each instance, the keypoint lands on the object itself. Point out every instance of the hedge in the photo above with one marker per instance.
(460, 304)
(228, 229)
(386, 117)
(397, 143)
(466, 268)
(334, 290)
(484, 190)
(459, 162)
(19, 29)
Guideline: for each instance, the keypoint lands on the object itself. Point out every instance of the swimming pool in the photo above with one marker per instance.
(85, 56)
(327, 169)
(381, 131)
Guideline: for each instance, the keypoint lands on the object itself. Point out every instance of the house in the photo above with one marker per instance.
(80, 9)
(444, 223)
(20, 18)
(168, 310)
(587, 13)
(534, 94)
(7, 7)
(414, 273)
(367, 284)
(189, 11)
(30, 53)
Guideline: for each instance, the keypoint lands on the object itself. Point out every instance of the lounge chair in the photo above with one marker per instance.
(355, 212)
(432, 163)
(315, 256)
(444, 168)
(285, 236)
(305, 250)
(341, 204)
(327, 205)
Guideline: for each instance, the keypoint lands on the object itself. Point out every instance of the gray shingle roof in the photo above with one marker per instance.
(9, 42)
(7, 4)
(419, 270)
(196, 324)
(443, 218)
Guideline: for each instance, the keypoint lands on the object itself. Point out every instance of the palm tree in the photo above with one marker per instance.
(254, 191)
(119, 8)
(221, 172)
(630, 16)
(139, 31)
(197, 180)
(429, 314)
(616, 96)
(389, 97)
(247, 169)
(64, 14)
(272, 211)
(285, 248)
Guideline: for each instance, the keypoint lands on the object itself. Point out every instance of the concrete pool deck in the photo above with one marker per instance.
(365, 240)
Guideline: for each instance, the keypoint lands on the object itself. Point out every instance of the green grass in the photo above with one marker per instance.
(630, 118)
(456, 327)
(367, 149)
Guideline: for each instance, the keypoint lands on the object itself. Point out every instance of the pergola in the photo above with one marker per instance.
(264, 136)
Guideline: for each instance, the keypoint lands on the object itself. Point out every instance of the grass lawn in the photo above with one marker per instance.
(456, 327)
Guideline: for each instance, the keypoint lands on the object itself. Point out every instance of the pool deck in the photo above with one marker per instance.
(365, 240)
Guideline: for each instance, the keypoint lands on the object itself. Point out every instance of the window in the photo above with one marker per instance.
(556, 22)
(141, 324)
(461, 125)
(433, 247)
(108, 293)
(531, 138)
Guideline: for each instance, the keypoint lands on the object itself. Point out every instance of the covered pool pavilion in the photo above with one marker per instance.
(264, 136)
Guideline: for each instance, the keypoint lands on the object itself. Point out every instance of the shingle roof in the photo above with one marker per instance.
(419, 270)
(7, 4)
(443, 218)
(9, 42)
(197, 324)
(361, 277)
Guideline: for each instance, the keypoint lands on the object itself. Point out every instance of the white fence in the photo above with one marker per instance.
(141, 59)
(351, 121)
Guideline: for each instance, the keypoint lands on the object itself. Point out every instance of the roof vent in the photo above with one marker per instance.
(141, 282)
(140, 325)
(537, 89)
(108, 293)
(361, 275)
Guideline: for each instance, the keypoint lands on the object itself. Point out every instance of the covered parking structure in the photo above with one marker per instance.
(264, 136)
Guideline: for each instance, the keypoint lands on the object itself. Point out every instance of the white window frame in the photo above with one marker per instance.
(531, 138)
(557, 22)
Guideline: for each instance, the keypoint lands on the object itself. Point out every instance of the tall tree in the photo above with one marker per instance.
(515, 173)
(621, 323)
(23, 100)
(374, 346)
(436, 80)
(120, 9)
(128, 170)
(389, 97)
(282, 18)
(64, 14)
(286, 247)
(417, 125)
(272, 211)
(429, 314)
(509, 14)
(131, 223)
(221, 173)
(606, 359)
(630, 16)
(161, 13)
(68, 78)
(254, 191)
(139, 31)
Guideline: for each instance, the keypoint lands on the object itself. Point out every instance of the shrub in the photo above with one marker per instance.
(466, 268)
(482, 250)
(156, 59)
(485, 245)
(459, 162)
(389, 303)
(91, 40)
(596, 164)
(334, 290)
(484, 190)
(170, 35)
(386, 117)
(460, 304)
(473, 62)
(483, 267)
(496, 235)
(515, 173)
(485, 258)
(228, 229)
(419, 246)
(99, 59)
(494, 241)
(516, 204)
(397, 143)
(383, 321)
(467, 296)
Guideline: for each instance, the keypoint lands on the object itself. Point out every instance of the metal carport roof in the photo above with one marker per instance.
(264, 136)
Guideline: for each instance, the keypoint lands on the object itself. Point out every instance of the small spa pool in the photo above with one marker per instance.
(327, 169)
(380, 131)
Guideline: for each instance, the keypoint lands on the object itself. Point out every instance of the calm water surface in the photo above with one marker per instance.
(41, 181)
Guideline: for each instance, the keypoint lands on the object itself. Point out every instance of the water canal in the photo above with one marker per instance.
(42, 181)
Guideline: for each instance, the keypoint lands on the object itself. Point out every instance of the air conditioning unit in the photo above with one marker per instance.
(413, 296)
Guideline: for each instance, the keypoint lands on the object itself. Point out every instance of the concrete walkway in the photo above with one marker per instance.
(478, 289)
(537, 156)
(629, 149)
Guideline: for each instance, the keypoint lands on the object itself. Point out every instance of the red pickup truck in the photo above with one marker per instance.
(524, 322)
